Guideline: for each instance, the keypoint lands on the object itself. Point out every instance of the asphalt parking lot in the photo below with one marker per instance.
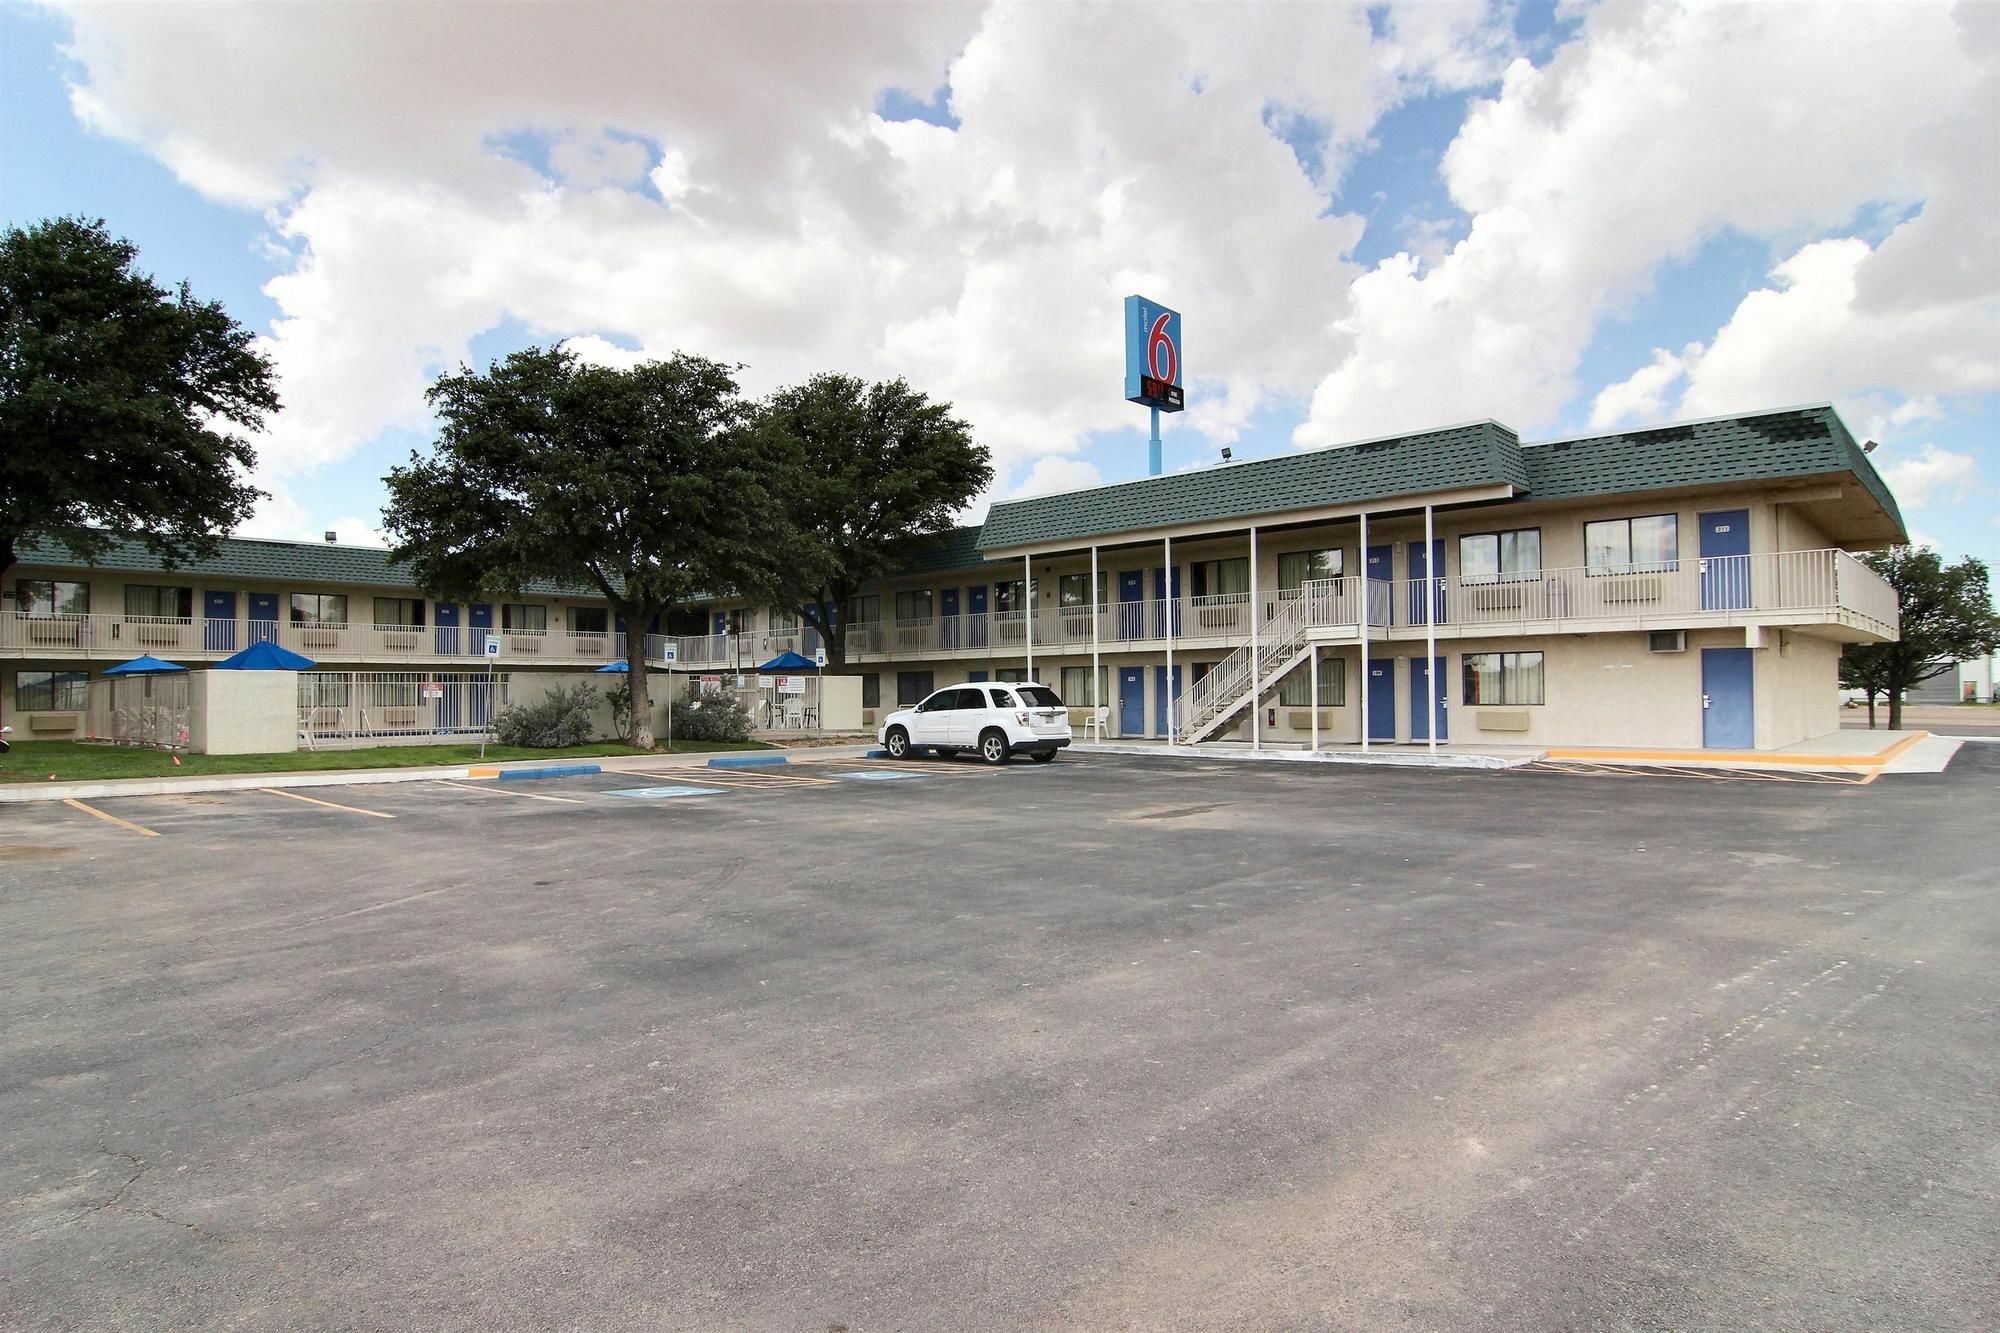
(1107, 1043)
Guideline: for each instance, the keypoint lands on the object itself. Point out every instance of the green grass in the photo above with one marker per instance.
(74, 761)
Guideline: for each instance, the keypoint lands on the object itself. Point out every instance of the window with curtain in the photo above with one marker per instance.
(1500, 557)
(1298, 568)
(871, 691)
(51, 597)
(912, 687)
(1007, 596)
(1296, 687)
(319, 608)
(51, 691)
(865, 610)
(1011, 675)
(1218, 578)
(159, 602)
(783, 621)
(914, 605)
(1647, 545)
(399, 611)
(1076, 686)
(1503, 678)
(589, 620)
(1073, 591)
(524, 618)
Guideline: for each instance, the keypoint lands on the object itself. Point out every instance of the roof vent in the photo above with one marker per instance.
(333, 536)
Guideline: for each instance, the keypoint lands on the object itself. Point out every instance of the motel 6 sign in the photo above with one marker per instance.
(1153, 355)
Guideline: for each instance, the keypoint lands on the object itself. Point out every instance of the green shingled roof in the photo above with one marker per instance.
(954, 548)
(1765, 446)
(1482, 454)
(271, 561)
(1762, 446)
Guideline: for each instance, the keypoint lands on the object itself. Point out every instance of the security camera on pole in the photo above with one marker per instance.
(1153, 364)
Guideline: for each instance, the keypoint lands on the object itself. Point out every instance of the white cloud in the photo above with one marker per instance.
(1642, 396)
(1656, 128)
(1053, 474)
(1934, 475)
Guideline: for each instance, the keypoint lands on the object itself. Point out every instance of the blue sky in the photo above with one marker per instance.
(1342, 357)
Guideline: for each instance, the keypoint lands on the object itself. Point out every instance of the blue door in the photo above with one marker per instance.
(1131, 595)
(263, 617)
(482, 621)
(975, 611)
(948, 626)
(1169, 598)
(720, 624)
(1725, 560)
(1162, 693)
(1381, 566)
(1423, 607)
(218, 611)
(446, 633)
(1728, 719)
(1420, 695)
(1381, 700)
(1131, 701)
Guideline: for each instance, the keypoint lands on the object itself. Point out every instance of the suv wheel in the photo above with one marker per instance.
(897, 742)
(993, 746)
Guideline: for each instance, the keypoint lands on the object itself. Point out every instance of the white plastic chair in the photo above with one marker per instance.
(1094, 725)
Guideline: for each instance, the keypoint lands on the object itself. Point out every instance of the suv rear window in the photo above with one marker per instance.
(1039, 696)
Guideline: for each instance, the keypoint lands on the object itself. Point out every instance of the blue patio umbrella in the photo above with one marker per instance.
(265, 656)
(789, 661)
(613, 669)
(148, 665)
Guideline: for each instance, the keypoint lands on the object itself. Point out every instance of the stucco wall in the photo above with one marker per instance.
(1798, 688)
(243, 712)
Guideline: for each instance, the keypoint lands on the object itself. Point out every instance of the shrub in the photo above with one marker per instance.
(712, 716)
(559, 718)
(619, 696)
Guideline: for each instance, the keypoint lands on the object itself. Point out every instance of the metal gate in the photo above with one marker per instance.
(150, 710)
(348, 708)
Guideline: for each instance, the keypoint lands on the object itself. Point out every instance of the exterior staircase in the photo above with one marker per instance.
(1237, 682)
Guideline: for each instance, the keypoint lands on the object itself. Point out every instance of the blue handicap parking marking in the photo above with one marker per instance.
(877, 776)
(662, 793)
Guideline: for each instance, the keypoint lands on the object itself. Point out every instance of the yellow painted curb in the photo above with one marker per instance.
(482, 772)
(1761, 757)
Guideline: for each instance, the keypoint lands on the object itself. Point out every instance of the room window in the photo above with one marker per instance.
(1296, 687)
(865, 610)
(1012, 675)
(1503, 678)
(1500, 557)
(871, 691)
(912, 687)
(51, 691)
(1632, 545)
(1007, 596)
(1298, 568)
(915, 605)
(319, 608)
(1221, 578)
(783, 622)
(157, 602)
(1076, 686)
(51, 597)
(1073, 591)
(408, 611)
(524, 618)
(589, 620)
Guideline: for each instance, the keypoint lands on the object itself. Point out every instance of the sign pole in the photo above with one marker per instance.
(489, 707)
(1153, 447)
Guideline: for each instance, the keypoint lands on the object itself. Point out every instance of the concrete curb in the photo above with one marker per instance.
(1387, 760)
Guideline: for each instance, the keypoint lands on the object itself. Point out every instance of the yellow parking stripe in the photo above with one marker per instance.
(331, 805)
(504, 791)
(109, 819)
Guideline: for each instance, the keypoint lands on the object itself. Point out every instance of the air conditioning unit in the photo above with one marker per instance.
(1667, 641)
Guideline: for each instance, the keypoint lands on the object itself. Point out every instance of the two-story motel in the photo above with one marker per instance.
(1683, 586)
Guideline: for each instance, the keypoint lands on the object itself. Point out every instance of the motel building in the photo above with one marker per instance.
(1686, 586)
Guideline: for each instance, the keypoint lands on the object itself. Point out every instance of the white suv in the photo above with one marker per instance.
(995, 721)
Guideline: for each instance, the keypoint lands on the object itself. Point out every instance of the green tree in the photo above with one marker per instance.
(1947, 615)
(643, 484)
(117, 399)
(873, 466)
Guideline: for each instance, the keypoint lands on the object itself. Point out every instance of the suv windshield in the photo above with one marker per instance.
(1038, 696)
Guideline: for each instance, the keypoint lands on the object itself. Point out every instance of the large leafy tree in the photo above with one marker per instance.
(122, 403)
(876, 466)
(1947, 616)
(643, 484)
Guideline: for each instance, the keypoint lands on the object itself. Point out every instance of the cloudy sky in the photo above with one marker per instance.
(1566, 216)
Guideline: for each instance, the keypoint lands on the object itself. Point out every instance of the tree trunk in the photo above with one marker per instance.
(1895, 710)
(1871, 710)
(635, 665)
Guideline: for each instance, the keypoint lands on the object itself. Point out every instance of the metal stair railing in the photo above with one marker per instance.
(1231, 683)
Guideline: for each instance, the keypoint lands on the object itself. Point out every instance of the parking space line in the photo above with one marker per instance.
(508, 791)
(109, 819)
(331, 805)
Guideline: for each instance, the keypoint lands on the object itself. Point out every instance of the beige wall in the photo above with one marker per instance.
(1798, 688)
(243, 712)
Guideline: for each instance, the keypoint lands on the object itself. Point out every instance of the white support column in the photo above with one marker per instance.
(1168, 606)
(1366, 600)
(1096, 615)
(1312, 700)
(1028, 607)
(1432, 578)
(1256, 653)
